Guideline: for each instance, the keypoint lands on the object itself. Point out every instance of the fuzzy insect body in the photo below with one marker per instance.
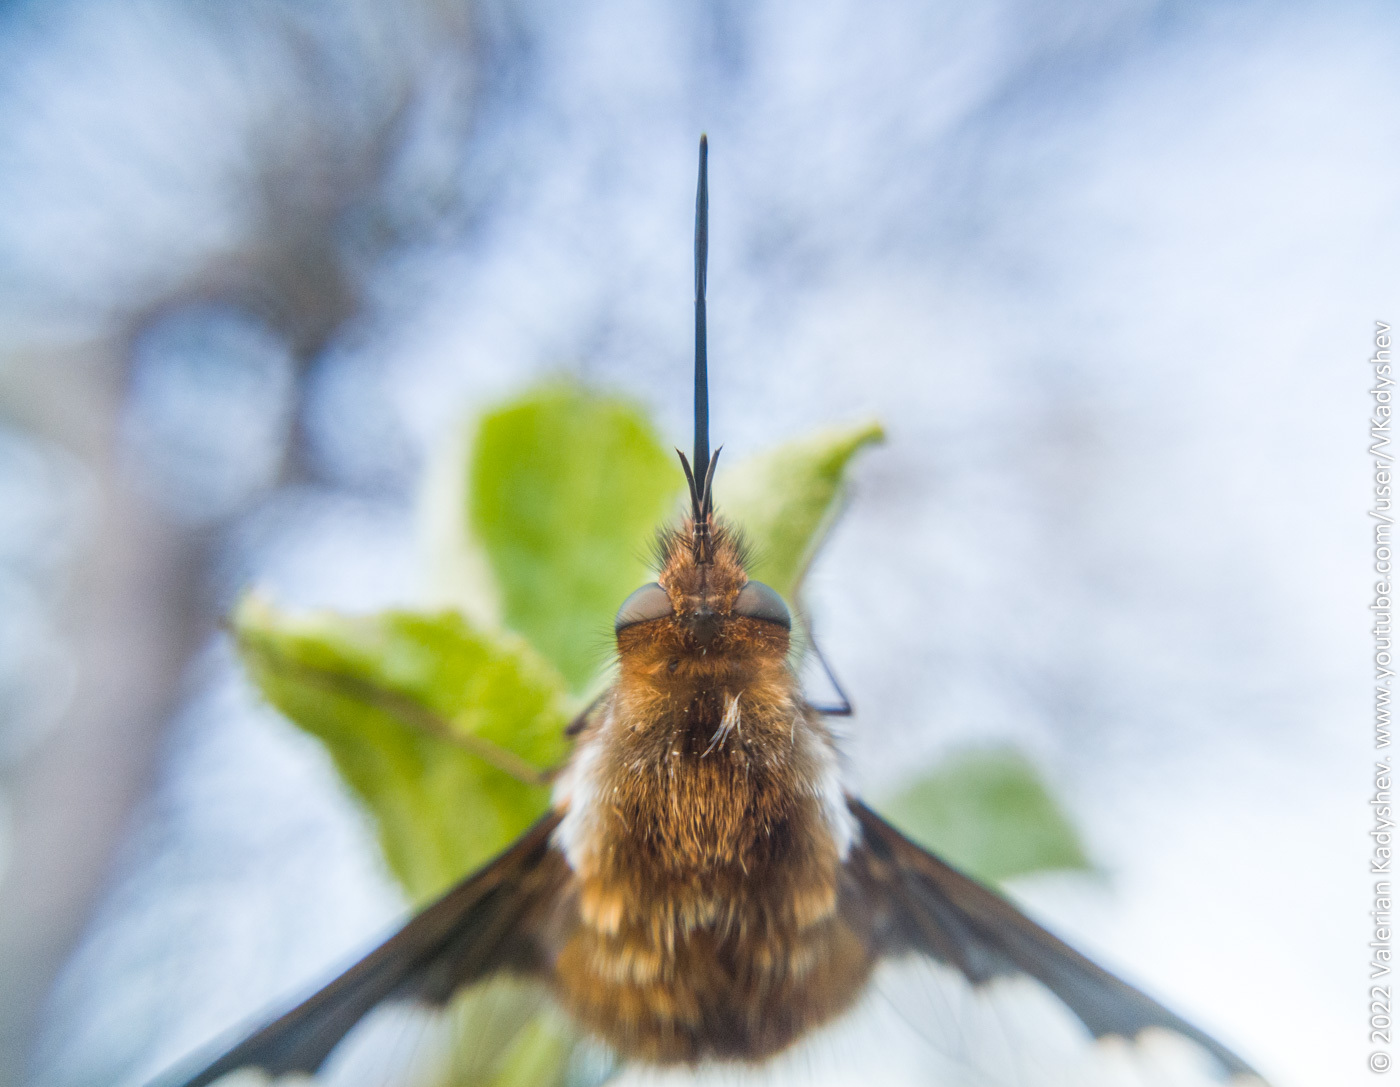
(705, 886)
(707, 831)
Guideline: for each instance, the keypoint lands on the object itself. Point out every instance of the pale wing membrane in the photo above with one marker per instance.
(921, 905)
(922, 1024)
(490, 922)
(953, 1003)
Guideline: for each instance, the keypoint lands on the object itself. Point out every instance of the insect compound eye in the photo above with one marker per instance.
(647, 603)
(757, 601)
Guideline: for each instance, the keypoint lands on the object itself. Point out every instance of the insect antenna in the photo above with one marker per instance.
(701, 496)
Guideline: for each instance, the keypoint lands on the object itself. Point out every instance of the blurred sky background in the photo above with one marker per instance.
(1106, 269)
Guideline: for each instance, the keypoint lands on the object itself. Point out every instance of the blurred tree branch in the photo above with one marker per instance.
(326, 99)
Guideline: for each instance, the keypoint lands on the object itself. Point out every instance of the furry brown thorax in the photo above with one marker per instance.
(706, 827)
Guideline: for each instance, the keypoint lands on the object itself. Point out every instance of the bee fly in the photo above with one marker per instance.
(704, 886)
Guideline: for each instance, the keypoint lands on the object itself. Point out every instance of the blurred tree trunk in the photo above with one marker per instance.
(331, 97)
(130, 618)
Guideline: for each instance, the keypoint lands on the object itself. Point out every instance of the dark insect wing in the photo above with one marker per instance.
(918, 904)
(493, 921)
(503, 919)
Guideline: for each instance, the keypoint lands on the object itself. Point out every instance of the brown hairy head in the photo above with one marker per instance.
(702, 612)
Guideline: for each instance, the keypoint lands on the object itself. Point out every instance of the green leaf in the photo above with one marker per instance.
(430, 722)
(988, 813)
(539, 1055)
(511, 1036)
(394, 698)
(566, 490)
(542, 523)
(785, 500)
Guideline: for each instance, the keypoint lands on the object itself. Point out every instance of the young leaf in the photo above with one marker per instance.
(438, 726)
(988, 813)
(785, 500)
(509, 1035)
(430, 722)
(566, 490)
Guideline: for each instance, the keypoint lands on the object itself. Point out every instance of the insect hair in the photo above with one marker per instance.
(669, 537)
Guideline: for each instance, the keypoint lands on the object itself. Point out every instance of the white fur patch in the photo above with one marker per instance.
(830, 790)
(576, 793)
(728, 723)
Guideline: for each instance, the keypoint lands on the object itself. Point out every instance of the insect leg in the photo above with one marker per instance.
(842, 708)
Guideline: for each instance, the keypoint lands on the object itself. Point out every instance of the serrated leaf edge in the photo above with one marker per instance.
(405, 709)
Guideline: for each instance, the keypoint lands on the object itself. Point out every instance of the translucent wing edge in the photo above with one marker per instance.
(921, 904)
(488, 922)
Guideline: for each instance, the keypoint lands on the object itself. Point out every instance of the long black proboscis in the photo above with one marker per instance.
(702, 249)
